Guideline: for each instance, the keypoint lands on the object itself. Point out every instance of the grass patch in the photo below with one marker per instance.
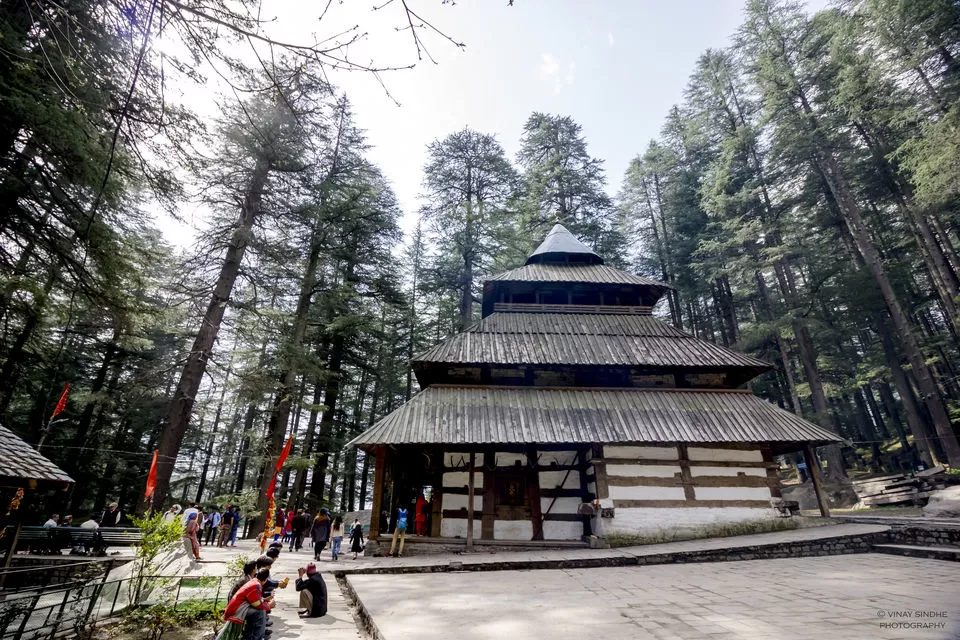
(719, 530)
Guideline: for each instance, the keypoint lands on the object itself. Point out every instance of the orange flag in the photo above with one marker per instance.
(62, 404)
(280, 461)
(272, 505)
(152, 477)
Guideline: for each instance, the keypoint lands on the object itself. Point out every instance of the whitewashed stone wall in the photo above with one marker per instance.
(662, 464)
(559, 529)
(457, 527)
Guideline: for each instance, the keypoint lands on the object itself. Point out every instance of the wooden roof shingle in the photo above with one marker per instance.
(455, 415)
(23, 466)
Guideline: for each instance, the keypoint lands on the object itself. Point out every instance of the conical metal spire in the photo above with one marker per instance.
(562, 246)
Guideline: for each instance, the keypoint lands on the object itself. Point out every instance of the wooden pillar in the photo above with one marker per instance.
(773, 476)
(533, 493)
(813, 466)
(473, 461)
(600, 472)
(686, 477)
(436, 503)
(378, 471)
(489, 495)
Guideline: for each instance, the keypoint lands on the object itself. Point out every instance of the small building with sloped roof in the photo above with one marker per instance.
(569, 391)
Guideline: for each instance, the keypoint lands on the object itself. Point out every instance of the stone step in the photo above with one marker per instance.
(916, 551)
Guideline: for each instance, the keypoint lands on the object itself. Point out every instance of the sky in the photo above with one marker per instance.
(616, 67)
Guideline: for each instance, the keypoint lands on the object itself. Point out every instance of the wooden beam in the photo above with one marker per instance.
(533, 493)
(673, 504)
(691, 463)
(461, 514)
(813, 466)
(378, 471)
(563, 517)
(561, 493)
(678, 480)
(473, 468)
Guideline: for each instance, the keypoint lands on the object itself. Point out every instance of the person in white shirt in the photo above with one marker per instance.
(90, 524)
(52, 522)
(172, 513)
(191, 508)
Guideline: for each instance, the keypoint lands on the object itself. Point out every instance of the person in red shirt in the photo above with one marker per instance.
(245, 615)
(421, 519)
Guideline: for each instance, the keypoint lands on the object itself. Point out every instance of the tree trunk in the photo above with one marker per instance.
(905, 334)
(192, 374)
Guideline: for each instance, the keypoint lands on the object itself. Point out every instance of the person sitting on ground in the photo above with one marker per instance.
(268, 558)
(313, 592)
(249, 573)
(111, 517)
(245, 614)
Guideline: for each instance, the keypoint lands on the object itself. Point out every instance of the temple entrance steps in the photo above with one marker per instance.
(424, 545)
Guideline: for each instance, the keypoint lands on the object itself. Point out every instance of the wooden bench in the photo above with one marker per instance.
(53, 540)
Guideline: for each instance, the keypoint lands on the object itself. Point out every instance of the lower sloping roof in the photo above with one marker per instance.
(512, 415)
(23, 466)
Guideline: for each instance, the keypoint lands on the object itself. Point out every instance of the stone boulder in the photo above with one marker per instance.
(839, 495)
(944, 503)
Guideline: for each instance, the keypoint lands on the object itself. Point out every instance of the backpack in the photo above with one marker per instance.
(402, 519)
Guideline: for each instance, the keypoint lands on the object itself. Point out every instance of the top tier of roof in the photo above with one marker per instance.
(562, 246)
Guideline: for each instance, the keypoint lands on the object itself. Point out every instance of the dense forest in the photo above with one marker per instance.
(802, 200)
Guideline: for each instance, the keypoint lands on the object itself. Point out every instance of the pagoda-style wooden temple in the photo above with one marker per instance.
(569, 390)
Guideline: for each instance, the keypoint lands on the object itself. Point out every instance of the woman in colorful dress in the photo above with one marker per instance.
(190, 534)
(246, 613)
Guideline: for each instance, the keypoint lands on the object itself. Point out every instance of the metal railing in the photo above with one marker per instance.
(50, 611)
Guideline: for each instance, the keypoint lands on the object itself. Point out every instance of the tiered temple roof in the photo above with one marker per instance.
(567, 351)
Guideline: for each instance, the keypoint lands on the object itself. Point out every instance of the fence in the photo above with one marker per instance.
(62, 610)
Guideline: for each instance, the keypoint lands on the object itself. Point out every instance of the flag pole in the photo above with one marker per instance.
(61, 405)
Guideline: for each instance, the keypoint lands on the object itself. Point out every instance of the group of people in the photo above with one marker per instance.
(110, 517)
(220, 527)
(293, 527)
(252, 597)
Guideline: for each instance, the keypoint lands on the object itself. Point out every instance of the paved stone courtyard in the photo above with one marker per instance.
(862, 596)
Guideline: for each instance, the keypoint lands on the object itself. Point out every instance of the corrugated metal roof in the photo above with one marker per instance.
(589, 273)
(486, 415)
(582, 339)
(21, 465)
(560, 244)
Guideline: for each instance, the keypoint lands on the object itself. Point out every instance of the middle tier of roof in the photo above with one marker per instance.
(584, 340)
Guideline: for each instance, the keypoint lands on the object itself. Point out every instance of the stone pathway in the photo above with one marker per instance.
(599, 557)
(862, 596)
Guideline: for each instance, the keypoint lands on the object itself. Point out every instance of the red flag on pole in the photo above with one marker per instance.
(280, 461)
(62, 404)
(271, 504)
(152, 477)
